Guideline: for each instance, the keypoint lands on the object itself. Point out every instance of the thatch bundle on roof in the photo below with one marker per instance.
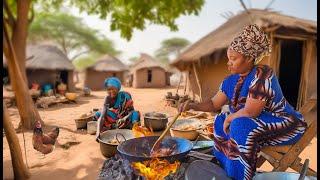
(291, 39)
(106, 66)
(47, 64)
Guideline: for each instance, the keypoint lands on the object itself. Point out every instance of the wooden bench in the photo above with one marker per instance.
(283, 157)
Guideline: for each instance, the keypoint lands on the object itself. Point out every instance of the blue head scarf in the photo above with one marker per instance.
(112, 82)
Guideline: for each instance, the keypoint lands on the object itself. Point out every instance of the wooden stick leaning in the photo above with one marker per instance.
(168, 127)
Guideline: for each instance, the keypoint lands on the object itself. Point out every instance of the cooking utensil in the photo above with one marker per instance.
(206, 170)
(109, 149)
(139, 149)
(157, 121)
(190, 134)
(168, 127)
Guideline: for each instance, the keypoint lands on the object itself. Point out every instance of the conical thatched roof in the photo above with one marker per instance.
(46, 57)
(220, 38)
(108, 63)
(145, 61)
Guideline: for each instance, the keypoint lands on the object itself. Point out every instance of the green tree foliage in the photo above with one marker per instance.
(70, 34)
(85, 61)
(172, 46)
(127, 15)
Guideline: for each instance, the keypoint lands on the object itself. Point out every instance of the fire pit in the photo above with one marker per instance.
(118, 168)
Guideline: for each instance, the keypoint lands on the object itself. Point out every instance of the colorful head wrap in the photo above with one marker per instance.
(252, 42)
(112, 82)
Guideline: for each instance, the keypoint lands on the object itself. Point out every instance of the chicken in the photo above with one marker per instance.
(44, 143)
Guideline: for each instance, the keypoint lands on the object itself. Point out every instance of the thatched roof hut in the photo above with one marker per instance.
(106, 66)
(47, 63)
(293, 52)
(147, 72)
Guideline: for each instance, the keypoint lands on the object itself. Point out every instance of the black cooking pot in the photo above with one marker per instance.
(138, 149)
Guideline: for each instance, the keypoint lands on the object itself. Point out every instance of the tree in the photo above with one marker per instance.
(20, 171)
(70, 34)
(172, 46)
(126, 15)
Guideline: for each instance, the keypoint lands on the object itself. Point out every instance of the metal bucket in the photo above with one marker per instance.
(91, 127)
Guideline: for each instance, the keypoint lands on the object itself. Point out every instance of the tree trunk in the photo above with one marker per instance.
(27, 110)
(20, 34)
(20, 171)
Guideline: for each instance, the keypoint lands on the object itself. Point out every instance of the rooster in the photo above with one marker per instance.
(44, 143)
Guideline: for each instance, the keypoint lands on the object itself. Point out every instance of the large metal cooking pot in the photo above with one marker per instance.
(157, 121)
(109, 149)
(138, 149)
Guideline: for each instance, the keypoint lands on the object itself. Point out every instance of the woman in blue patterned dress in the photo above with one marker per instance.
(259, 113)
(118, 110)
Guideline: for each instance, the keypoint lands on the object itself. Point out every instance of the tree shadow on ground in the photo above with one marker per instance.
(39, 172)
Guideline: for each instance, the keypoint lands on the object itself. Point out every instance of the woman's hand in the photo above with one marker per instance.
(227, 123)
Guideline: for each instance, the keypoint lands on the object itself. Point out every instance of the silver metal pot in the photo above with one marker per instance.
(109, 149)
(157, 121)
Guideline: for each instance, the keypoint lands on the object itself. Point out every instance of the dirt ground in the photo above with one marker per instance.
(83, 159)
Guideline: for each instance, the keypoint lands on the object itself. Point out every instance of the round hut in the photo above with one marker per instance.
(46, 64)
(148, 73)
(106, 66)
(293, 57)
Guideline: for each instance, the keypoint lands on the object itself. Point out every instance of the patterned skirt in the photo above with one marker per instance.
(237, 151)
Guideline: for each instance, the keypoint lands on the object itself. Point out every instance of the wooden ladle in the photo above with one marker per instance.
(168, 127)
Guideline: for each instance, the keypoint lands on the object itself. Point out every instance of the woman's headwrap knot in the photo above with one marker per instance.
(252, 41)
(112, 82)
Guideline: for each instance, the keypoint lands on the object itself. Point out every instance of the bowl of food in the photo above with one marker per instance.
(71, 96)
(110, 139)
(156, 121)
(186, 128)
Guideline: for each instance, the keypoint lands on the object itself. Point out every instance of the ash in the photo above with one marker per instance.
(120, 169)
(116, 168)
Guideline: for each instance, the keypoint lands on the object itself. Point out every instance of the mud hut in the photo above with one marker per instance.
(148, 73)
(47, 64)
(106, 66)
(293, 57)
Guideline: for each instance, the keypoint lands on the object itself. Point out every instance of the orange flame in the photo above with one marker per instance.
(139, 131)
(155, 169)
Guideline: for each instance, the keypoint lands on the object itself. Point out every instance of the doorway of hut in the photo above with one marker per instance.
(290, 69)
(64, 76)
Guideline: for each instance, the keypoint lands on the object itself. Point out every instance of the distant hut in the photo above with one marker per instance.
(106, 66)
(47, 64)
(293, 57)
(147, 72)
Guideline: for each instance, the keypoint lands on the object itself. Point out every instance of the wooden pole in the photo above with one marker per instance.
(179, 83)
(20, 171)
(198, 81)
(185, 84)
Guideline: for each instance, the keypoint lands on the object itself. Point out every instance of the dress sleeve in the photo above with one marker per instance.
(225, 87)
(261, 85)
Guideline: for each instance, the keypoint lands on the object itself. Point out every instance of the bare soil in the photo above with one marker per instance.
(82, 160)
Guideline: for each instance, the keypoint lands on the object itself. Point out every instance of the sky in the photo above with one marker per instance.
(192, 28)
